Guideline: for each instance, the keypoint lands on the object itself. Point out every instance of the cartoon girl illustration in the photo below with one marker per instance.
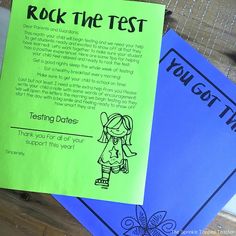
(117, 131)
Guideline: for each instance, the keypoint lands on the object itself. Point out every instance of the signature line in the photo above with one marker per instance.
(53, 132)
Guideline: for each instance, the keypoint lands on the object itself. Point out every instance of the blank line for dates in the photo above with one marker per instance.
(53, 132)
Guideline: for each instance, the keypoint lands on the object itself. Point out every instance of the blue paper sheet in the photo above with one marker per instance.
(192, 164)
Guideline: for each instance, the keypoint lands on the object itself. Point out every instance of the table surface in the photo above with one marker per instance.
(208, 25)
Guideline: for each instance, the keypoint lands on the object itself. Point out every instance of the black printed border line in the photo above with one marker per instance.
(234, 171)
(199, 72)
(212, 195)
(98, 216)
(52, 132)
(206, 202)
(184, 227)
